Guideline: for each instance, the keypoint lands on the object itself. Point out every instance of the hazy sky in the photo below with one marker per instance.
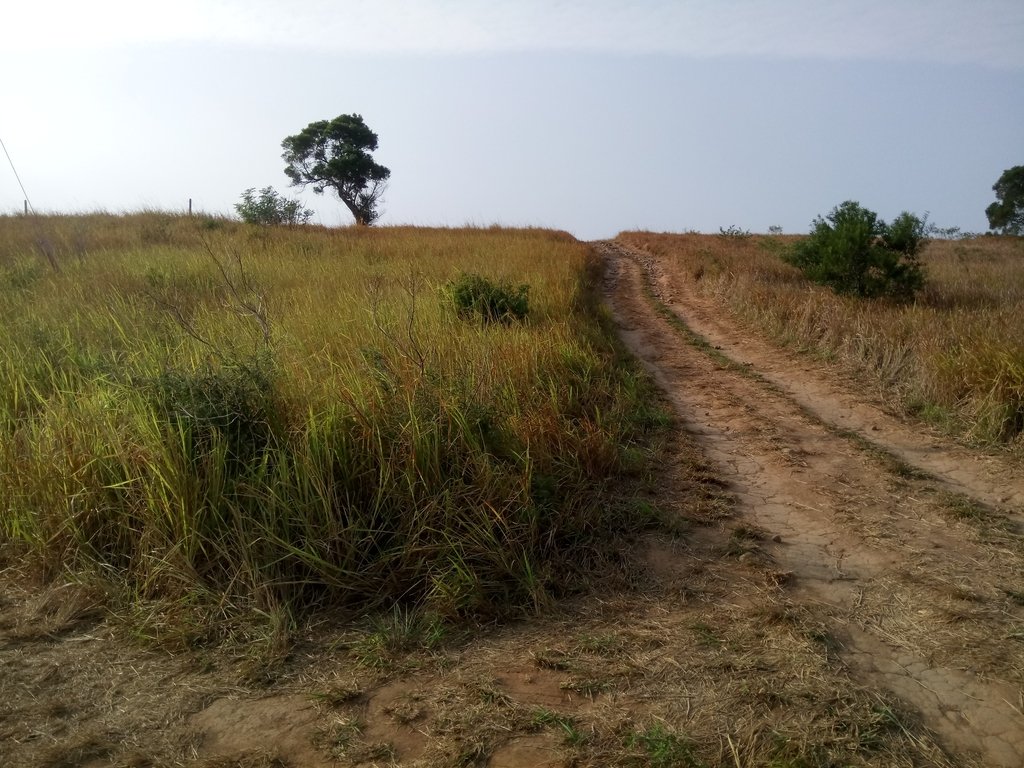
(588, 116)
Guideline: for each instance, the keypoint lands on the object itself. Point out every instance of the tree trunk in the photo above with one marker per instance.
(356, 212)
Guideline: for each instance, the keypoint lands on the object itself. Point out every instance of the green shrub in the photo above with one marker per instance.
(853, 251)
(477, 296)
(232, 406)
(271, 208)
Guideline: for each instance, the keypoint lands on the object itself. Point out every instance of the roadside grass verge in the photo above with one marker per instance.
(223, 420)
(954, 357)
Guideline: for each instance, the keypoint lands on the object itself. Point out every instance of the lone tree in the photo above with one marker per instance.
(1006, 215)
(336, 154)
(853, 251)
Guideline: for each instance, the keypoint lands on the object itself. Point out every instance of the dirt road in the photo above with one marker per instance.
(906, 546)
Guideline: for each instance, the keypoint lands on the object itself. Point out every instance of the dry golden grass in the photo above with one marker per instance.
(954, 357)
(210, 413)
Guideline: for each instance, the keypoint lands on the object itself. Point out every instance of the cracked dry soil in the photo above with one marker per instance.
(916, 601)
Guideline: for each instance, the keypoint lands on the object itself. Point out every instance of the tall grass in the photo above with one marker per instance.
(955, 356)
(210, 412)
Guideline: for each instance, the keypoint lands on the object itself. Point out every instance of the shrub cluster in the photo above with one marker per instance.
(853, 251)
(732, 232)
(271, 208)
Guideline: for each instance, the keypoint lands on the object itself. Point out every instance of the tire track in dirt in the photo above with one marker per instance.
(990, 479)
(914, 605)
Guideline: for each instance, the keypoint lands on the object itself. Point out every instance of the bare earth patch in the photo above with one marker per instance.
(823, 603)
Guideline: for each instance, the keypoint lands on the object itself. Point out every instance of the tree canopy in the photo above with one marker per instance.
(335, 154)
(1006, 215)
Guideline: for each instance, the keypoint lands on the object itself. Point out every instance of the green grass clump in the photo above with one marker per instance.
(477, 296)
(213, 415)
(664, 749)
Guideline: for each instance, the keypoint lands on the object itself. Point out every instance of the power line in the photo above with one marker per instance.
(29, 202)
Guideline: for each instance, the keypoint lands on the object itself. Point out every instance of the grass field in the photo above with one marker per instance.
(954, 357)
(294, 460)
(212, 418)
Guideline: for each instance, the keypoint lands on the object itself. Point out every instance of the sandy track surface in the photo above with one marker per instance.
(919, 602)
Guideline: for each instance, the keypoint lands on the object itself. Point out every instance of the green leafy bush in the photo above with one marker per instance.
(477, 296)
(231, 406)
(854, 252)
(271, 208)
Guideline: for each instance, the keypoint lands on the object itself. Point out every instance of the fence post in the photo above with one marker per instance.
(190, 206)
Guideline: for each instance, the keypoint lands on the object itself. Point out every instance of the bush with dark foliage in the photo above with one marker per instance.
(477, 296)
(854, 252)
